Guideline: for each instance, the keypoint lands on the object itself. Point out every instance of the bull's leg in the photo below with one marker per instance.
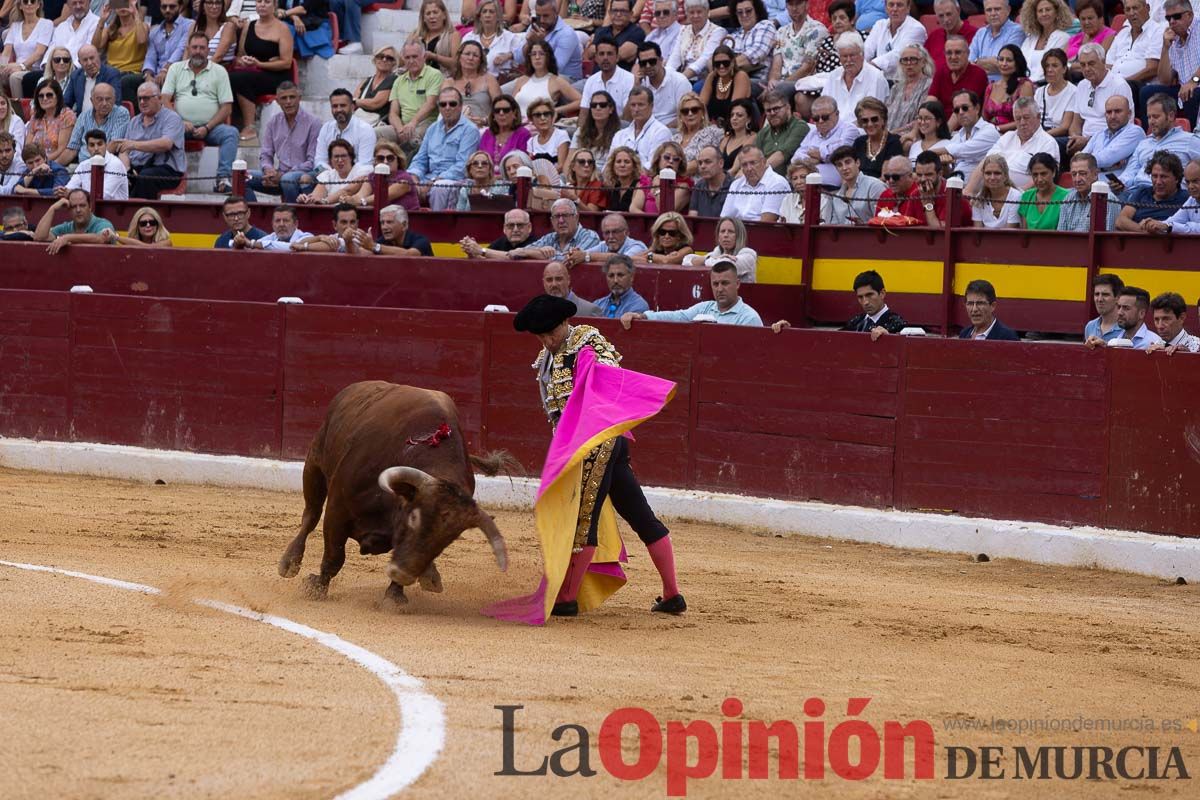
(395, 593)
(431, 580)
(315, 490)
(336, 530)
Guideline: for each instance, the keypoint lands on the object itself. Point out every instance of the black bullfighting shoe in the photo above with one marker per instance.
(567, 608)
(675, 605)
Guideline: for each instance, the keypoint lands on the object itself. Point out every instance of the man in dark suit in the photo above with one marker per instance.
(981, 308)
(90, 69)
(876, 319)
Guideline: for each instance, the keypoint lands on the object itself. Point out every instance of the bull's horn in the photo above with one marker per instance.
(486, 524)
(410, 475)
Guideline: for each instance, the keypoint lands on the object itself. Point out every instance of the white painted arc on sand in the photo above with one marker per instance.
(422, 718)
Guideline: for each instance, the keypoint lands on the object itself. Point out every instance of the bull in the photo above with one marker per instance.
(391, 468)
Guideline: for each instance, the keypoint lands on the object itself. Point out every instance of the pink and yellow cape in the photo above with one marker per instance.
(605, 402)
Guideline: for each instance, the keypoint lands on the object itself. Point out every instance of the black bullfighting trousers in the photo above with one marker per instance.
(608, 474)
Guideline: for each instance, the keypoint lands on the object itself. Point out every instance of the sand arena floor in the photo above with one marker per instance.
(113, 694)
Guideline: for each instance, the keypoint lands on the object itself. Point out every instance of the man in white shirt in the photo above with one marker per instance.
(608, 77)
(973, 138)
(1168, 311)
(891, 35)
(1135, 49)
(283, 233)
(1018, 146)
(73, 32)
(854, 79)
(697, 41)
(12, 168)
(666, 29)
(668, 86)
(758, 193)
(1099, 83)
(827, 134)
(116, 177)
(344, 125)
(645, 133)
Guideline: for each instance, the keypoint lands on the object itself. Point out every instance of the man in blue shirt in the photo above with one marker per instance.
(237, 217)
(166, 43)
(614, 230)
(726, 308)
(1105, 289)
(1113, 146)
(621, 298)
(42, 176)
(442, 159)
(560, 36)
(999, 31)
(1163, 135)
(1132, 304)
(568, 236)
(1187, 219)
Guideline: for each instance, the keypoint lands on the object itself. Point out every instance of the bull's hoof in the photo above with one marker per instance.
(395, 593)
(314, 588)
(288, 567)
(431, 581)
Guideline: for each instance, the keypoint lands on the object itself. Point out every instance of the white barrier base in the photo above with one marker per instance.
(1141, 553)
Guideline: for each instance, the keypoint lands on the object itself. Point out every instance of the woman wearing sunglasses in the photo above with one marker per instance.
(670, 241)
(481, 181)
(145, 230)
(61, 65)
(372, 99)
(25, 43)
(504, 133)
(582, 185)
(598, 129)
(724, 85)
(548, 142)
(669, 155)
(52, 121)
(694, 132)
(402, 186)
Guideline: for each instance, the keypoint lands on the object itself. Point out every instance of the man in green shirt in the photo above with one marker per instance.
(199, 91)
(414, 98)
(83, 228)
(782, 134)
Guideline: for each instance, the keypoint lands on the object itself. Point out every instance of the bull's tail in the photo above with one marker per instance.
(495, 462)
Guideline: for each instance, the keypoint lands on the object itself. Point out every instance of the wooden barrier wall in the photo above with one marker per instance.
(1042, 432)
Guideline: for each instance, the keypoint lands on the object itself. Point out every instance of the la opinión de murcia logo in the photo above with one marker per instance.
(853, 750)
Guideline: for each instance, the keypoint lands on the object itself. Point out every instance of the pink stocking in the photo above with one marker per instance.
(576, 570)
(663, 556)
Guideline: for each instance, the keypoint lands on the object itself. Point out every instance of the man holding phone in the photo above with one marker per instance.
(561, 37)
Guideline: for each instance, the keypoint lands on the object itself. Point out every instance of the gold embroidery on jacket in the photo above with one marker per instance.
(562, 377)
(594, 467)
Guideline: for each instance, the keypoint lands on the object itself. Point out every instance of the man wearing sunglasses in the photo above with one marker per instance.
(1179, 59)
(972, 138)
(167, 43)
(199, 91)
(668, 86)
(827, 135)
(608, 77)
(91, 73)
(152, 149)
(518, 233)
(666, 29)
(726, 308)
(442, 157)
(1092, 94)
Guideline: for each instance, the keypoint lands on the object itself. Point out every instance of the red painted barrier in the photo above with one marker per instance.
(35, 364)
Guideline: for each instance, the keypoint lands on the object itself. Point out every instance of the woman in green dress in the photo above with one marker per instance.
(1041, 203)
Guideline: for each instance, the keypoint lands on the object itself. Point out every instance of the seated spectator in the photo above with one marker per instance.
(116, 178)
(1041, 203)
(207, 107)
(792, 208)
(264, 60)
(932, 186)
(890, 37)
(561, 38)
(582, 185)
(598, 125)
(1091, 96)
(780, 138)
(11, 122)
(1187, 219)
(1168, 311)
(1178, 57)
(42, 176)
(501, 45)
(123, 43)
(855, 80)
(740, 132)
(646, 199)
(903, 195)
(309, 23)
(152, 149)
(480, 181)
(797, 48)
(664, 32)
(345, 126)
(876, 318)
(374, 94)
(414, 98)
(1012, 84)
(876, 144)
(614, 234)
(289, 147)
(236, 214)
(644, 133)
(1045, 23)
(726, 308)
(621, 299)
(950, 24)
(146, 229)
(442, 157)
(670, 241)
(957, 74)
(92, 73)
(712, 184)
(541, 80)
(1113, 146)
(518, 232)
(1105, 289)
(622, 174)
(12, 168)
(105, 115)
(695, 132)
(25, 43)
(669, 88)
(283, 233)
(396, 239)
(504, 132)
(436, 35)
(60, 66)
(221, 29)
(401, 185)
(16, 228)
(730, 246)
(1156, 202)
(999, 31)
(556, 281)
(930, 131)
(757, 195)
(83, 227)
(1092, 29)
(52, 122)
(567, 235)
(344, 239)
(972, 138)
(854, 202)
(342, 181)
(841, 20)
(1135, 50)
(997, 202)
(1132, 303)
(698, 40)
(828, 134)
(724, 85)
(471, 78)
(869, 12)
(72, 30)
(1161, 135)
(980, 299)
(753, 39)
(1018, 146)
(623, 30)
(913, 85)
(547, 141)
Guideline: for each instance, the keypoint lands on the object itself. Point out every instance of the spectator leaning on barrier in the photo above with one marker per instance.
(1162, 135)
(289, 148)
(236, 214)
(1168, 311)
(1075, 214)
(16, 227)
(152, 149)
(116, 178)
(518, 232)
(146, 229)
(556, 281)
(84, 227)
(730, 246)
(876, 318)
(442, 157)
(1113, 145)
(104, 115)
(344, 238)
(854, 202)
(168, 41)
(395, 239)
(1159, 200)
(757, 195)
(980, 300)
(1105, 289)
(726, 308)
(712, 185)
(619, 271)
(1187, 219)
(283, 233)
(1132, 303)
(567, 235)
(77, 94)
(614, 234)
(205, 105)
(42, 176)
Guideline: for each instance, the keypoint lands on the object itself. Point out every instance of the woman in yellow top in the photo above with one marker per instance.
(123, 43)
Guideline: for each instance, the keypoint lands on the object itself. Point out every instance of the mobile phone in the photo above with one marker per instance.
(116, 5)
(1112, 177)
